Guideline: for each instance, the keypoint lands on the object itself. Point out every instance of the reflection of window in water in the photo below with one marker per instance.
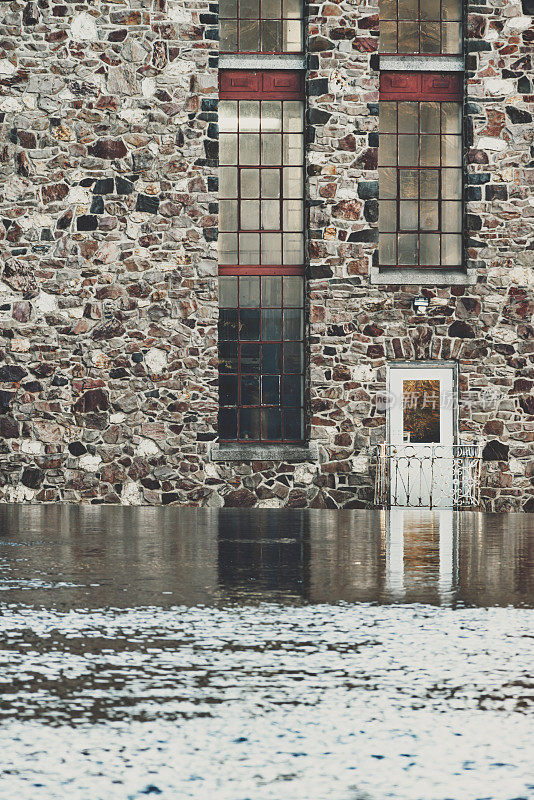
(421, 410)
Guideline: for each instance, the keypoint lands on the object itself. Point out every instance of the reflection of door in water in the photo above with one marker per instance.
(421, 436)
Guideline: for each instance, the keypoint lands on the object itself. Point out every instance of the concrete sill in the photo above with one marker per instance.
(423, 277)
(264, 452)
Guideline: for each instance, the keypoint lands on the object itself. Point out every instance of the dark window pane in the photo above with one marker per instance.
(292, 425)
(227, 357)
(228, 390)
(227, 323)
(271, 423)
(293, 357)
(271, 36)
(249, 323)
(250, 390)
(292, 390)
(250, 358)
(270, 390)
(270, 358)
(228, 35)
(271, 323)
(249, 423)
(228, 423)
(292, 323)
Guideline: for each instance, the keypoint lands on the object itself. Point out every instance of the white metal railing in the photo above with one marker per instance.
(428, 476)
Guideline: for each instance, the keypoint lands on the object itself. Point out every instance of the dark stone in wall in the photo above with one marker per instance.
(32, 477)
(518, 116)
(11, 373)
(495, 451)
(103, 186)
(77, 449)
(147, 203)
(87, 222)
(108, 148)
(9, 428)
(92, 400)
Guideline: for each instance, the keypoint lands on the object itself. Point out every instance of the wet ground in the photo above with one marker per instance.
(300, 655)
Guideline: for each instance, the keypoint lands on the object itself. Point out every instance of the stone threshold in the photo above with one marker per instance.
(264, 452)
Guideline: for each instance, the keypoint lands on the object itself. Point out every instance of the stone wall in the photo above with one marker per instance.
(108, 302)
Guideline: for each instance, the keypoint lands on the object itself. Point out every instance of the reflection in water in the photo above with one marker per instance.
(97, 556)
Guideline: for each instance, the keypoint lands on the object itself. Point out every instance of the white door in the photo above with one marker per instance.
(421, 436)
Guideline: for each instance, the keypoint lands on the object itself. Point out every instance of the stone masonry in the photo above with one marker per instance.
(108, 259)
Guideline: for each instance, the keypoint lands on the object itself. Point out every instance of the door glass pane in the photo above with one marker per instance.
(249, 324)
(387, 9)
(227, 390)
(271, 358)
(451, 184)
(249, 8)
(430, 9)
(293, 248)
(292, 148)
(271, 423)
(250, 358)
(228, 8)
(271, 35)
(451, 9)
(292, 182)
(227, 248)
(228, 35)
(250, 390)
(292, 35)
(270, 390)
(293, 9)
(271, 324)
(271, 149)
(293, 424)
(228, 148)
(408, 9)
(271, 116)
(227, 357)
(293, 116)
(293, 322)
(293, 357)
(270, 215)
(421, 411)
(227, 423)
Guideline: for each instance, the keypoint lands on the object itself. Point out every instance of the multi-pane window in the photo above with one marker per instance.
(260, 26)
(420, 173)
(261, 257)
(420, 26)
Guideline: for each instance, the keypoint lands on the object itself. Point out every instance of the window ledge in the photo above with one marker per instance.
(431, 63)
(264, 452)
(423, 277)
(261, 61)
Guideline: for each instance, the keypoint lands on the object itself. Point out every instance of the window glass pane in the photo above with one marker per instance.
(429, 146)
(227, 215)
(451, 184)
(249, 36)
(292, 152)
(430, 37)
(249, 8)
(387, 182)
(451, 37)
(270, 183)
(408, 9)
(227, 116)
(271, 249)
(227, 390)
(293, 9)
(409, 179)
(270, 390)
(228, 35)
(429, 249)
(271, 290)
(388, 37)
(429, 112)
(387, 9)
(271, 36)
(292, 215)
(409, 215)
(451, 216)
(227, 357)
(291, 390)
(249, 248)
(387, 215)
(451, 119)
(249, 324)
(293, 287)
(292, 182)
(408, 250)
(293, 357)
(250, 358)
(271, 358)
(408, 151)
(293, 248)
(227, 423)
(293, 424)
(228, 8)
(451, 249)
(250, 183)
(408, 117)
(271, 116)
(227, 291)
(270, 215)
(250, 215)
(408, 37)
(228, 325)
(387, 120)
(271, 9)
(430, 9)
(387, 150)
(271, 423)
(429, 183)
(292, 35)
(271, 324)
(387, 248)
(428, 215)
(250, 390)
(293, 116)
(451, 150)
(249, 148)
(249, 423)
(451, 9)
(227, 248)
(227, 182)
(271, 149)
(293, 322)
(228, 148)
(249, 116)
(249, 291)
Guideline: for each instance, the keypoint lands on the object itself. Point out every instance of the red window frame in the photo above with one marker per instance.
(420, 87)
(264, 85)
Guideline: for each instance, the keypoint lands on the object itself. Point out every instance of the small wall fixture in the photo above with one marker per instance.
(420, 305)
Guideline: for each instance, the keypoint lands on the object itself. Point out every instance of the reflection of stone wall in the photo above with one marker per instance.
(108, 251)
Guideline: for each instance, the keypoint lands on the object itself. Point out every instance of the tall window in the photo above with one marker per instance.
(420, 26)
(420, 170)
(260, 26)
(261, 256)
